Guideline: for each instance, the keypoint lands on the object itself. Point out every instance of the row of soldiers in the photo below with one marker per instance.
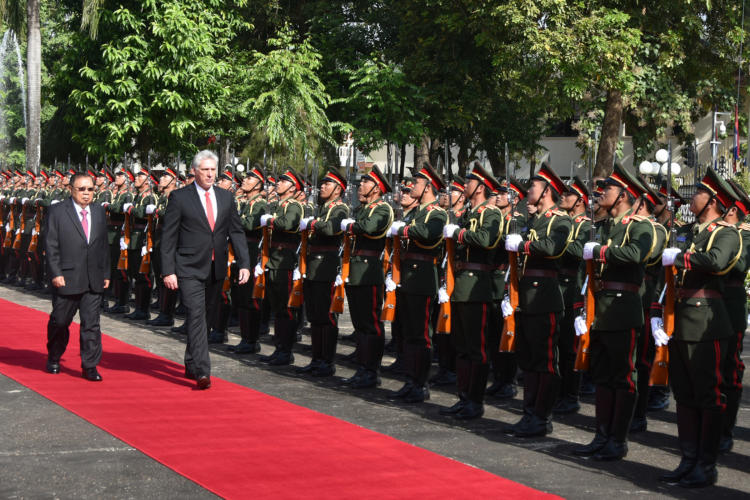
(455, 257)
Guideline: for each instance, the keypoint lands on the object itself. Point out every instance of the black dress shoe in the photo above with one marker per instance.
(245, 348)
(204, 382)
(282, 359)
(161, 320)
(470, 411)
(638, 424)
(368, 380)
(566, 406)
(309, 368)
(267, 358)
(217, 337)
(452, 410)
(179, 329)
(405, 389)
(91, 374)
(657, 401)
(443, 377)
(613, 450)
(33, 286)
(587, 388)
(534, 427)
(53, 367)
(138, 315)
(591, 449)
(325, 369)
(726, 444)
(117, 309)
(417, 394)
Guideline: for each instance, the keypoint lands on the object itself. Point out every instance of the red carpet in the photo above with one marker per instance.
(234, 441)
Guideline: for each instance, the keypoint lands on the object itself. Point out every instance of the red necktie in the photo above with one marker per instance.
(85, 224)
(210, 211)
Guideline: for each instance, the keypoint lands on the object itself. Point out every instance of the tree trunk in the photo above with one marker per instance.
(610, 134)
(34, 87)
(422, 152)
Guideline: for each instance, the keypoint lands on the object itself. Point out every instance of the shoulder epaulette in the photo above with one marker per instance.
(581, 218)
(724, 223)
(558, 212)
(744, 226)
(639, 218)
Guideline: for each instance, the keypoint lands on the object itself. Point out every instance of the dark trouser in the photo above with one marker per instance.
(537, 354)
(201, 299)
(64, 308)
(568, 345)
(613, 358)
(644, 358)
(695, 372)
(142, 281)
(414, 314)
(324, 330)
(734, 370)
(248, 312)
(285, 317)
(24, 266)
(120, 283)
(365, 306)
(474, 341)
(504, 364)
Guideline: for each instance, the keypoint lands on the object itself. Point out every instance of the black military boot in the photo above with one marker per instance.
(121, 298)
(142, 299)
(422, 364)
(658, 398)
(639, 423)
(688, 435)
(371, 358)
(446, 374)
(540, 423)
(605, 405)
(329, 338)
(246, 345)
(617, 445)
(531, 382)
(474, 407)
(316, 340)
(284, 327)
(409, 361)
(463, 380)
(704, 473)
(734, 396)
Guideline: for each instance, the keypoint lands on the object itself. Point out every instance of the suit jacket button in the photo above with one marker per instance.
(698, 303)
(471, 274)
(365, 261)
(413, 266)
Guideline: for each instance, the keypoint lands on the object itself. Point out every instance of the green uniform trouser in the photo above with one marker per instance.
(613, 358)
(537, 342)
(504, 364)
(365, 306)
(285, 318)
(324, 330)
(695, 372)
(472, 332)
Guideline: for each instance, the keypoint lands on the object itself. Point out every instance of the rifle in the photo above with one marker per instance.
(259, 282)
(145, 268)
(337, 303)
(392, 255)
(508, 336)
(449, 265)
(34, 243)
(296, 298)
(228, 279)
(660, 368)
(583, 355)
(19, 233)
(122, 263)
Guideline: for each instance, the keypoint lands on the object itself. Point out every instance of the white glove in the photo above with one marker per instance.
(304, 223)
(12, 199)
(258, 270)
(144, 250)
(588, 250)
(127, 207)
(346, 223)
(18, 230)
(150, 209)
(580, 325)
(443, 295)
(296, 275)
(390, 285)
(450, 230)
(506, 307)
(657, 331)
(123, 246)
(396, 228)
(512, 242)
(54, 201)
(264, 219)
(338, 281)
(105, 204)
(24, 200)
(7, 227)
(669, 256)
(34, 232)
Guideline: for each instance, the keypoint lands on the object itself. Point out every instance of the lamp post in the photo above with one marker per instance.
(722, 129)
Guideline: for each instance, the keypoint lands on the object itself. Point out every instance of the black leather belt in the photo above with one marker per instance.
(419, 256)
(620, 287)
(474, 266)
(700, 293)
(539, 273)
(322, 249)
(367, 253)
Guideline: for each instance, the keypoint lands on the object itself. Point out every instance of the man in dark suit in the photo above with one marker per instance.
(199, 221)
(78, 261)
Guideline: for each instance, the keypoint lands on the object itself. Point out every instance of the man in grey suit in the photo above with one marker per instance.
(77, 254)
(199, 222)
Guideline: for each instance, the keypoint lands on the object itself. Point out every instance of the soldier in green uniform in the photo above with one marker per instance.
(703, 331)
(167, 297)
(574, 201)
(446, 354)
(252, 207)
(646, 206)
(628, 242)
(365, 287)
(735, 298)
(421, 253)
(540, 301)
(115, 227)
(139, 210)
(476, 236)
(28, 219)
(285, 239)
(323, 262)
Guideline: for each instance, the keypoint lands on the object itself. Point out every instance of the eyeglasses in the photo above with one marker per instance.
(82, 189)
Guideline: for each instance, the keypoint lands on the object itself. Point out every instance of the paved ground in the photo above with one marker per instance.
(47, 452)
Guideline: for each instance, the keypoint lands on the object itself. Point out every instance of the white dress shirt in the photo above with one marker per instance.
(78, 209)
(212, 196)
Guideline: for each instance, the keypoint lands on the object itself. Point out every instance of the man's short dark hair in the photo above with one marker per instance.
(80, 175)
